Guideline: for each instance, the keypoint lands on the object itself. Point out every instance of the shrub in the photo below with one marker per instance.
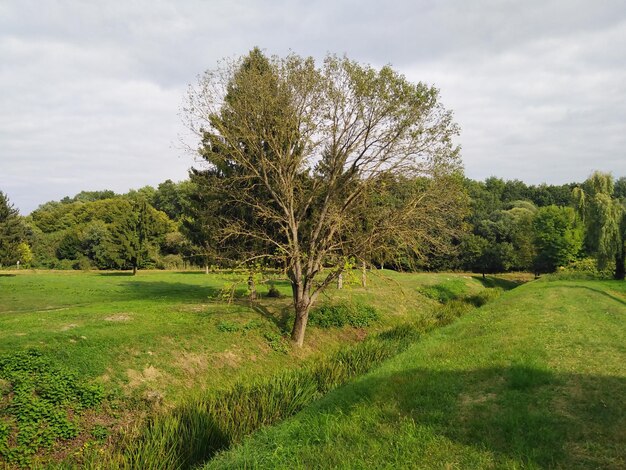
(273, 292)
(339, 315)
(170, 262)
(583, 269)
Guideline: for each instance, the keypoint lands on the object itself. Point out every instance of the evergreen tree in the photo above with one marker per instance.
(12, 231)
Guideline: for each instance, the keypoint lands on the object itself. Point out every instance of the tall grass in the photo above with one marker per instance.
(207, 423)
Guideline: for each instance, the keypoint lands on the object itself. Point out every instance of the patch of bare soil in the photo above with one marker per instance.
(191, 363)
(226, 359)
(69, 327)
(137, 378)
(118, 317)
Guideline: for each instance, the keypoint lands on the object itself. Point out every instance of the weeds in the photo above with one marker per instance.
(38, 398)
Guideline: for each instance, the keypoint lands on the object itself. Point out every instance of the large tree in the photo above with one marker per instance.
(558, 238)
(604, 216)
(295, 150)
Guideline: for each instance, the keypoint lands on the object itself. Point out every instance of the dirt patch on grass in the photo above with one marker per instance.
(118, 317)
(69, 327)
(191, 363)
(197, 308)
(226, 359)
(137, 378)
(467, 400)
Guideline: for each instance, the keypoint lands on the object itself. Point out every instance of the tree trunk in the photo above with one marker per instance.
(134, 269)
(340, 281)
(363, 275)
(299, 325)
(251, 288)
(206, 268)
(620, 267)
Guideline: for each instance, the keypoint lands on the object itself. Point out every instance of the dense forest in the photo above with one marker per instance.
(499, 226)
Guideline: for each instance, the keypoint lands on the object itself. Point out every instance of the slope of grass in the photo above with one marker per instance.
(160, 336)
(536, 379)
(166, 331)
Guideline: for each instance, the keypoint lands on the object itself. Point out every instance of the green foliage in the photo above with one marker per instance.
(111, 233)
(583, 269)
(444, 292)
(37, 405)
(558, 238)
(100, 432)
(25, 255)
(604, 216)
(12, 231)
(227, 327)
(340, 315)
(276, 341)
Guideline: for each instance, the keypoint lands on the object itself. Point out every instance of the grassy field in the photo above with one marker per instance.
(536, 379)
(159, 337)
(167, 331)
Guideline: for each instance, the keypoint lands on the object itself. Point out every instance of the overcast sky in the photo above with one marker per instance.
(90, 91)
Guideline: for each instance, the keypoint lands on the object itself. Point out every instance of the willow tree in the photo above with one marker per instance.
(295, 151)
(604, 217)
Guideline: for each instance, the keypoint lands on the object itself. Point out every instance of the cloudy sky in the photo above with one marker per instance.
(90, 91)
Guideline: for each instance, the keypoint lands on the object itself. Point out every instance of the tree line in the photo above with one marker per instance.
(506, 225)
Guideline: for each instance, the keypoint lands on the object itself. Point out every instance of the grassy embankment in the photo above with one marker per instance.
(536, 379)
(167, 331)
(164, 335)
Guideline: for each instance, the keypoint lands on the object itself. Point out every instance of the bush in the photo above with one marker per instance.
(339, 315)
(170, 262)
(83, 263)
(583, 269)
(273, 292)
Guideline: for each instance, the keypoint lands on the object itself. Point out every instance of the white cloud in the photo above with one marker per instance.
(90, 92)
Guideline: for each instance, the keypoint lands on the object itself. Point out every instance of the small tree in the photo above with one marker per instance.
(294, 150)
(25, 255)
(132, 240)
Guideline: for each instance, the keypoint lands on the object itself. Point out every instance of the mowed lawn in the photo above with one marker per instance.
(536, 379)
(167, 332)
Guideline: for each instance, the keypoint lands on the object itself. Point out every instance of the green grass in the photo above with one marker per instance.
(159, 330)
(536, 379)
(160, 337)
